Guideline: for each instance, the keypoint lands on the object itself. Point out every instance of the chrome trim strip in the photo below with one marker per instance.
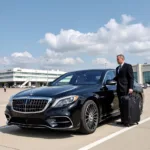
(39, 125)
(38, 98)
(62, 117)
(9, 117)
(63, 98)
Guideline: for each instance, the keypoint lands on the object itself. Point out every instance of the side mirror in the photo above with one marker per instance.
(111, 82)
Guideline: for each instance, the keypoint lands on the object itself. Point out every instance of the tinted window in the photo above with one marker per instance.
(109, 76)
(65, 80)
(79, 78)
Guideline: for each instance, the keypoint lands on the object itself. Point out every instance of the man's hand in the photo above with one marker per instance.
(130, 91)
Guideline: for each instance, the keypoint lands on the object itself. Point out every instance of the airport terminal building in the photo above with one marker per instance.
(27, 77)
(30, 77)
(142, 73)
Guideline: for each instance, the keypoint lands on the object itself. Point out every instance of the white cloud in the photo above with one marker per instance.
(69, 61)
(66, 48)
(79, 60)
(53, 59)
(126, 19)
(19, 59)
(50, 59)
(103, 62)
(72, 61)
(4, 61)
(112, 37)
(53, 54)
(22, 59)
(24, 54)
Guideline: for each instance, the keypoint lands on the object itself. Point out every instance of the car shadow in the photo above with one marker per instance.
(37, 133)
(110, 121)
(50, 134)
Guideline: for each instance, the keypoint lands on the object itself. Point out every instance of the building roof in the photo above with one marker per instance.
(31, 70)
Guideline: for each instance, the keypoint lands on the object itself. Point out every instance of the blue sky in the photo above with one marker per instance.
(24, 23)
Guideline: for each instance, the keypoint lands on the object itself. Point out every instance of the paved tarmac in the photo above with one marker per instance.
(108, 135)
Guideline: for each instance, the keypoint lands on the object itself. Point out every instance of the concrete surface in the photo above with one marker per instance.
(135, 139)
(13, 138)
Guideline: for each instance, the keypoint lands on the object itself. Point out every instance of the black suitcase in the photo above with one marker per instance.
(130, 111)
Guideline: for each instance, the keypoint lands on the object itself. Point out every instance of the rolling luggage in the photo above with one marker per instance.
(130, 111)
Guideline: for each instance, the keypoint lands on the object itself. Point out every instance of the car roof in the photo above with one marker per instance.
(104, 70)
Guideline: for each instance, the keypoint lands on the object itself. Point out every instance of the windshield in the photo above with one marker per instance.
(78, 78)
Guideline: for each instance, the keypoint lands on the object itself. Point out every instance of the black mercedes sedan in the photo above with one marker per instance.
(77, 100)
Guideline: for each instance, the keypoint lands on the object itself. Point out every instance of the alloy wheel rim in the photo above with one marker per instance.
(91, 116)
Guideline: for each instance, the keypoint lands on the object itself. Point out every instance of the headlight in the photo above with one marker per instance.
(10, 100)
(65, 101)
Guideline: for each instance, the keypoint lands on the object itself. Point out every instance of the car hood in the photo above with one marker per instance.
(57, 91)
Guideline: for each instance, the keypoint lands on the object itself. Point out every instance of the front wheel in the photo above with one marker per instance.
(89, 117)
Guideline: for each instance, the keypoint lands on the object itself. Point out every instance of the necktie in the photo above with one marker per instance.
(119, 68)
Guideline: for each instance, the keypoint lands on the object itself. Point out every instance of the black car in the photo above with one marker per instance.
(77, 100)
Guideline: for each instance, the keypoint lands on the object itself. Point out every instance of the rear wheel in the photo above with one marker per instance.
(139, 98)
(89, 117)
(140, 103)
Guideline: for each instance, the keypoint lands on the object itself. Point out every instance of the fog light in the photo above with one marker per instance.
(8, 117)
(54, 125)
(52, 122)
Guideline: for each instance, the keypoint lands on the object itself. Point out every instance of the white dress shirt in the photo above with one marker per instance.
(120, 66)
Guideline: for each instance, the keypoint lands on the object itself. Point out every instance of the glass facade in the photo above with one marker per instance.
(30, 73)
(135, 76)
(146, 77)
(33, 77)
(6, 77)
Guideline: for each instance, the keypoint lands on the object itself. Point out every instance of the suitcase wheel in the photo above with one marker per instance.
(126, 124)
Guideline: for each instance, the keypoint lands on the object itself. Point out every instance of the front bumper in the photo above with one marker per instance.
(67, 118)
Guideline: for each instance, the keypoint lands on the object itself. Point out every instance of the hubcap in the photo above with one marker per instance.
(91, 116)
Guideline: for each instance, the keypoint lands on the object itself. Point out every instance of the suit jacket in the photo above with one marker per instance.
(124, 78)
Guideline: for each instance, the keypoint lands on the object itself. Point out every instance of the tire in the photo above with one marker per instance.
(89, 117)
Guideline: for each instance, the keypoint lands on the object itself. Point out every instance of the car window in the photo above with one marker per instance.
(109, 76)
(135, 82)
(89, 77)
(65, 81)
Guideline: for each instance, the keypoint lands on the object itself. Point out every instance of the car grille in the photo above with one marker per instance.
(29, 105)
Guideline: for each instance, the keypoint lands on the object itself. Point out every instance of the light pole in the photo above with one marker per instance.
(47, 76)
(47, 68)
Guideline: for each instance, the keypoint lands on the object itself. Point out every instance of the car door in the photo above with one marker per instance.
(111, 98)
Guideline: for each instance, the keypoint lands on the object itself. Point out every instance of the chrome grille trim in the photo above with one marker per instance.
(30, 99)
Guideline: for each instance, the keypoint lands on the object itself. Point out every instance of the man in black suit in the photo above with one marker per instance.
(124, 78)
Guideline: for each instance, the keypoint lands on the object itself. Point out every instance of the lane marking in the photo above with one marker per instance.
(8, 147)
(100, 141)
